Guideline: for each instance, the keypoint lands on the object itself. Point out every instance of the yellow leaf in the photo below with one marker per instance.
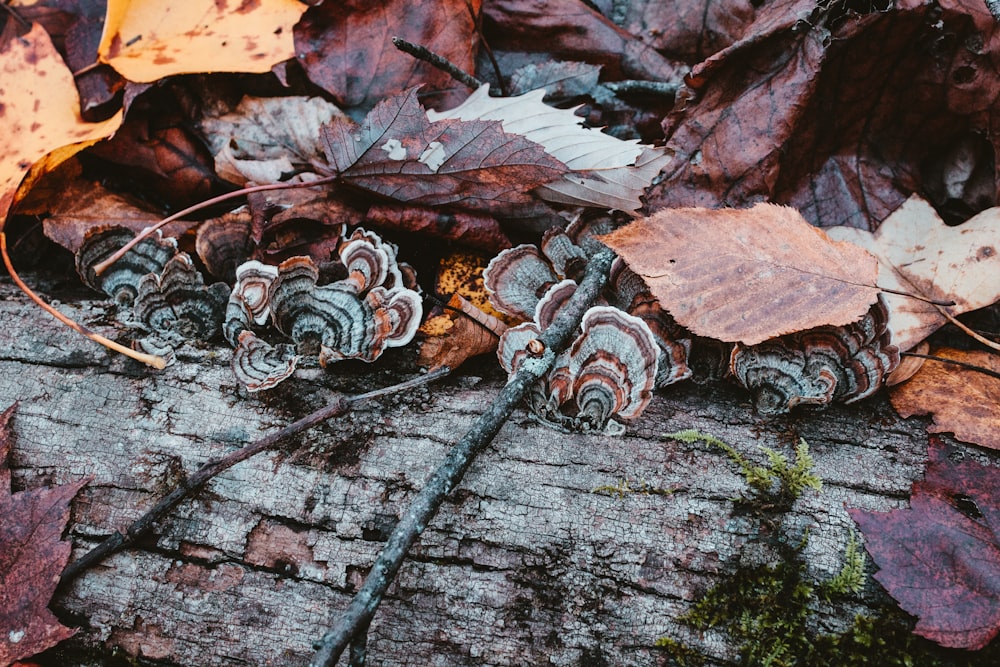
(39, 114)
(146, 40)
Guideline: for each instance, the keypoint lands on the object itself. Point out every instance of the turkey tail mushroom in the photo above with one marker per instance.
(121, 280)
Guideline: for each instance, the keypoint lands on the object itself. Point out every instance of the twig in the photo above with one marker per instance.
(448, 474)
(975, 336)
(635, 87)
(954, 362)
(148, 359)
(209, 470)
(477, 20)
(443, 64)
(101, 267)
(15, 15)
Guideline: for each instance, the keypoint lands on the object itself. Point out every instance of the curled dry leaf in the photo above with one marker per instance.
(747, 275)
(32, 554)
(146, 40)
(473, 230)
(460, 333)
(606, 172)
(45, 119)
(940, 559)
(265, 140)
(919, 254)
(962, 401)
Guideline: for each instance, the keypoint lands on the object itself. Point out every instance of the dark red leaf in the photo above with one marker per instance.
(474, 230)
(346, 47)
(940, 559)
(396, 152)
(841, 117)
(32, 555)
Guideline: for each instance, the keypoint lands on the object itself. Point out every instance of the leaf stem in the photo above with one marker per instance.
(148, 359)
(353, 622)
(953, 362)
(101, 267)
(199, 478)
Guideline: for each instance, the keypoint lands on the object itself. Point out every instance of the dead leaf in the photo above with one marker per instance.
(45, 119)
(85, 205)
(607, 172)
(562, 79)
(266, 140)
(570, 30)
(474, 230)
(146, 40)
(346, 47)
(940, 559)
(747, 275)
(32, 555)
(396, 152)
(457, 335)
(839, 116)
(962, 401)
(919, 254)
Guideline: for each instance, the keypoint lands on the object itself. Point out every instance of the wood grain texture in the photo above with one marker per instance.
(525, 563)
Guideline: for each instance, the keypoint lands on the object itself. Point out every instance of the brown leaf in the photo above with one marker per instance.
(346, 47)
(919, 254)
(397, 152)
(45, 119)
(457, 335)
(962, 401)
(85, 205)
(32, 555)
(146, 40)
(470, 229)
(837, 116)
(747, 275)
(571, 30)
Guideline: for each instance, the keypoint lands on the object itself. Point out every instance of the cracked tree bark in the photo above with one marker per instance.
(524, 564)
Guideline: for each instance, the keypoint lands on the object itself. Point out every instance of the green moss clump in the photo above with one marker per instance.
(624, 487)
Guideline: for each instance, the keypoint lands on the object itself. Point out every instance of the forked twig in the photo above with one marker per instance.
(189, 486)
(352, 626)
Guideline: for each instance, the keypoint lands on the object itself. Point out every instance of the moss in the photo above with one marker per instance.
(770, 612)
(624, 487)
(779, 480)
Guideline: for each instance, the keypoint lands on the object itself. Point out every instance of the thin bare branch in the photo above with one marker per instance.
(192, 484)
(353, 623)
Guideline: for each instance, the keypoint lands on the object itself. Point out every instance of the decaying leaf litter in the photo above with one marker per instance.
(854, 166)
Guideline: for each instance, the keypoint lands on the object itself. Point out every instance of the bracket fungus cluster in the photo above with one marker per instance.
(627, 344)
(818, 366)
(157, 289)
(359, 316)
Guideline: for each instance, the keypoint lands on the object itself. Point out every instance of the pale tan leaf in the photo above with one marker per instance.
(265, 139)
(919, 254)
(962, 401)
(747, 275)
(146, 40)
(612, 173)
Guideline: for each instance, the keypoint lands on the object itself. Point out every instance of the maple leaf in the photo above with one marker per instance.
(607, 172)
(747, 275)
(346, 47)
(146, 40)
(45, 119)
(32, 556)
(919, 254)
(963, 401)
(397, 152)
(940, 559)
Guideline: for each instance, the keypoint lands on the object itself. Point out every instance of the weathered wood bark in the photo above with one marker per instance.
(525, 564)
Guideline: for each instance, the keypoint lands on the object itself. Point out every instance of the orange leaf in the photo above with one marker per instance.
(146, 40)
(747, 275)
(963, 402)
(44, 119)
(32, 554)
